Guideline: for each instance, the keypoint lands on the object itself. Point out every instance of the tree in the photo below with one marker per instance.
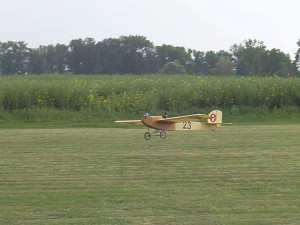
(126, 54)
(35, 62)
(297, 57)
(82, 56)
(13, 57)
(137, 55)
(275, 62)
(224, 66)
(248, 57)
(173, 68)
(211, 59)
(62, 54)
(109, 56)
(49, 58)
(169, 53)
(213, 63)
(137, 51)
(198, 62)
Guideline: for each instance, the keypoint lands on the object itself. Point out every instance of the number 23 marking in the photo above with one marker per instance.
(187, 125)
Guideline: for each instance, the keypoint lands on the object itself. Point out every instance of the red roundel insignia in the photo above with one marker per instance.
(213, 118)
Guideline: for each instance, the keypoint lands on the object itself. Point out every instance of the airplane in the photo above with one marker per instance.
(161, 124)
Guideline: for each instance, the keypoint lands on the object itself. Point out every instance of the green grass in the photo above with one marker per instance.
(238, 175)
(53, 118)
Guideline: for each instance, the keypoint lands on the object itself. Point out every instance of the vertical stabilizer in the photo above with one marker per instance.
(215, 117)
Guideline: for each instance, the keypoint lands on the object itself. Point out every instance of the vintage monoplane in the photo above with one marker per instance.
(161, 124)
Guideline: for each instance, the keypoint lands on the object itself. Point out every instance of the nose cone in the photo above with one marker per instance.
(151, 121)
(148, 121)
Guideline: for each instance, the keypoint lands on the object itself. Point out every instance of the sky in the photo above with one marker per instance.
(202, 25)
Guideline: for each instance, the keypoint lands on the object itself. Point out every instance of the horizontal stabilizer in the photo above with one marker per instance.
(130, 122)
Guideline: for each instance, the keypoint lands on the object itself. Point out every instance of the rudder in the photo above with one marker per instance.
(215, 117)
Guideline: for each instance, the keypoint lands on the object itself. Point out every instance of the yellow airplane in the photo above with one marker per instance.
(161, 124)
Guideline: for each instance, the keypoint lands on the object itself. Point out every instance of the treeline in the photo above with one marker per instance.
(137, 55)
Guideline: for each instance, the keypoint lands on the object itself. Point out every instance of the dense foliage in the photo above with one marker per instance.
(137, 55)
(131, 94)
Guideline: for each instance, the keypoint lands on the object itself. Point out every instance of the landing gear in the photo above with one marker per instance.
(162, 134)
(147, 135)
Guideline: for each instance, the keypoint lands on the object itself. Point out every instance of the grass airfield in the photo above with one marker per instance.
(237, 175)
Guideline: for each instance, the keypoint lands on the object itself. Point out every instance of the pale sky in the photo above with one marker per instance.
(202, 25)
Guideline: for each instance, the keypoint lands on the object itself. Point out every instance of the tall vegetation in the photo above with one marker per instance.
(130, 94)
(137, 55)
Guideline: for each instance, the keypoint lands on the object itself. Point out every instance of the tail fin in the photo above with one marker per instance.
(215, 117)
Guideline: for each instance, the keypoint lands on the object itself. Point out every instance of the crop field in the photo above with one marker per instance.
(237, 175)
(119, 94)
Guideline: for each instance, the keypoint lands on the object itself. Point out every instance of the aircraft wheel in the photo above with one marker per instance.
(163, 134)
(147, 135)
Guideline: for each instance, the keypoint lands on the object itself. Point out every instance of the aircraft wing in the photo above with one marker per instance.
(130, 122)
(184, 118)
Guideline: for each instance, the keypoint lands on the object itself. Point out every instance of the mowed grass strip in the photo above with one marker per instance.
(238, 175)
